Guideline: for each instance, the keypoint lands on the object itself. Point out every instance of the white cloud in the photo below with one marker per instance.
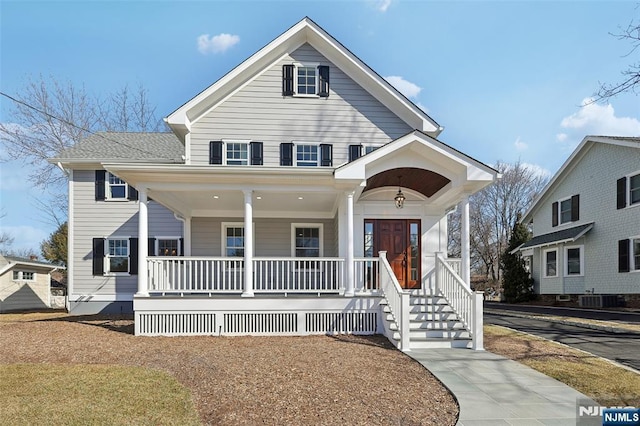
(216, 44)
(561, 137)
(520, 146)
(407, 88)
(422, 107)
(537, 170)
(383, 5)
(596, 119)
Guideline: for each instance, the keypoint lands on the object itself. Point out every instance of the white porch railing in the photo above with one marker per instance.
(367, 272)
(178, 275)
(296, 275)
(456, 265)
(465, 303)
(195, 274)
(397, 299)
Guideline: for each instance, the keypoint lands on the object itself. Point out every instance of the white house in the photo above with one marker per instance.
(271, 205)
(25, 284)
(586, 226)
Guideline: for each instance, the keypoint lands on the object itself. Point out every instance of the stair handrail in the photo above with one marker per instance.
(397, 299)
(467, 304)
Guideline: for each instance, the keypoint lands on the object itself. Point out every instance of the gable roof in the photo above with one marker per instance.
(557, 237)
(124, 146)
(305, 31)
(20, 261)
(574, 158)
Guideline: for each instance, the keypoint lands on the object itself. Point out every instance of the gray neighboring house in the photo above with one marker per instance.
(586, 226)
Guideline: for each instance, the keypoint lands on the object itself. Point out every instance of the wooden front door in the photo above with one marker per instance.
(401, 240)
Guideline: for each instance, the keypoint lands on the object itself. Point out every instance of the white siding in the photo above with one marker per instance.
(594, 178)
(259, 112)
(95, 219)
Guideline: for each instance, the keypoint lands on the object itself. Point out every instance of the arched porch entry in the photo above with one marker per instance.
(399, 237)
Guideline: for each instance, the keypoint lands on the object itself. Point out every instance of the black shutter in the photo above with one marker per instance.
(354, 152)
(287, 80)
(215, 152)
(133, 193)
(255, 149)
(621, 191)
(554, 214)
(151, 248)
(286, 154)
(100, 188)
(181, 246)
(326, 155)
(133, 256)
(98, 256)
(323, 86)
(575, 208)
(623, 255)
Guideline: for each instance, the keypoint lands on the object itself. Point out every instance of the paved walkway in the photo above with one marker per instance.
(493, 390)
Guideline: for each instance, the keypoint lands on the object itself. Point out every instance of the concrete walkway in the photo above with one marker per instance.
(493, 390)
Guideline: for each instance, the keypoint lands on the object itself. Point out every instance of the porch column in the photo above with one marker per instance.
(186, 230)
(465, 247)
(143, 237)
(248, 243)
(350, 275)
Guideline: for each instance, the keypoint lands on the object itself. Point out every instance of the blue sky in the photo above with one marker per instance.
(505, 79)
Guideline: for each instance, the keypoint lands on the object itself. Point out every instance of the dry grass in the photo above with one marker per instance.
(92, 394)
(246, 380)
(599, 379)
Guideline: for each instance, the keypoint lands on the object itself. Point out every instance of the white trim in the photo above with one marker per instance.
(566, 261)
(107, 188)
(628, 191)
(105, 259)
(223, 235)
(71, 236)
(632, 263)
(320, 226)
(297, 144)
(560, 201)
(544, 263)
(156, 244)
(21, 276)
(225, 144)
(313, 65)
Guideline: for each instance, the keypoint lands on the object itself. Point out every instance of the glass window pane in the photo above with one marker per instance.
(634, 189)
(551, 258)
(307, 242)
(119, 264)
(565, 211)
(636, 254)
(573, 261)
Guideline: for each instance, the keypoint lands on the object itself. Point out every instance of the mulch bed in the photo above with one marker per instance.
(251, 380)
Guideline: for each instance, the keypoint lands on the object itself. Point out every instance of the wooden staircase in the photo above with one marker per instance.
(432, 323)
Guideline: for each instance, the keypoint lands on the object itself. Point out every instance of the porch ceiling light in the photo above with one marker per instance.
(399, 198)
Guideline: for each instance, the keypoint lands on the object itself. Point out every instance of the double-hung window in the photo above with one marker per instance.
(116, 188)
(237, 153)
(628, 191)
(305, 80)
(635, 254)
(306, 155)
(307, 240)
(565, 210)
(234, 241)
(168, 246)
(117, 255)
(550, 263)
(574, 261)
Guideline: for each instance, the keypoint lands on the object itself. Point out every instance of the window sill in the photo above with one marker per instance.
(117, 200)
(117, 274)
(574, 276)
(305, 96)
(550, 276)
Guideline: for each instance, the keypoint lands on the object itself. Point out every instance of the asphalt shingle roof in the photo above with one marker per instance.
(569, 234)
(139, 146)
